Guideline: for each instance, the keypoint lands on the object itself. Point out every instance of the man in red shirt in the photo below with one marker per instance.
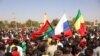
(15, 52)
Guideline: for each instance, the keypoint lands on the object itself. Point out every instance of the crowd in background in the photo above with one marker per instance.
(17, 43)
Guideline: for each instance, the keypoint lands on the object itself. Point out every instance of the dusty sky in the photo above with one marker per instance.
(23, 10)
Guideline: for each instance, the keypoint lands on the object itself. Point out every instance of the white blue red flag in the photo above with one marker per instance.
(63, 27)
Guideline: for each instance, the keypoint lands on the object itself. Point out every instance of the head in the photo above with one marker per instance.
(66, 50)
(14, 49)
(53, 42)
(89, 52)
(16, 42)
(34, 46)
(10, 41)
(58, 53)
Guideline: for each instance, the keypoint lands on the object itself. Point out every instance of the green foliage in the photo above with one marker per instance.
(30, 23)
(13, 24)
(35, 24)
(98, 24)
(19, 25)
(54, 22)
(1, 25)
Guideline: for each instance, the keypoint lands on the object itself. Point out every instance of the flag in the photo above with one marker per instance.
(79, 24)
(44, 30)
(45, 19)
(63, 26)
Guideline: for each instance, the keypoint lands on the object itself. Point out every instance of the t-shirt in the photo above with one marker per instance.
(51, 49)
(15, 53)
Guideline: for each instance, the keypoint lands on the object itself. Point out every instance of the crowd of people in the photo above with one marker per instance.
(15, 43)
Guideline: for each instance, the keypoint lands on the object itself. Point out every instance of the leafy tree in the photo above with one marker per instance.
(13, 24)
(1, 25)
(35, 24)
(30, 23)
(98, 24)
(88, 23)
(19, 25)
(54, 22)
(6, 23)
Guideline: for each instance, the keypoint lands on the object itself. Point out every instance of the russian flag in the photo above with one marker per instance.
(63, 27)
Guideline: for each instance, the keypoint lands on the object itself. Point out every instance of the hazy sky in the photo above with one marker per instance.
(22, 10)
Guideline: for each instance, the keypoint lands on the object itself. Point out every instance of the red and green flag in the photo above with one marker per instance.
(44, 30)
